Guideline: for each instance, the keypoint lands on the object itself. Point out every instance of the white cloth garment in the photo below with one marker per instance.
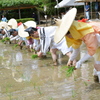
(47, 40)
(98, 38)
(74, 54)
(36, 44)
(79, 63)
(17, 37)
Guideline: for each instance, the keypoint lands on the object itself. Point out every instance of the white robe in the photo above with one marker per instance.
(46, 35)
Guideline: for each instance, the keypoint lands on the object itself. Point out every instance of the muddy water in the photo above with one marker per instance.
(24, 78)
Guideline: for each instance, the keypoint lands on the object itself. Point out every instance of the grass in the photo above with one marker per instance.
(74, 93)
(50, 98)
(48, 53)
(69, 70)
(34, 84)
(5, 39)
(34, 56)
(15, 45)
(39, 91)
(2, 40)
(9, 94)
(85, 84)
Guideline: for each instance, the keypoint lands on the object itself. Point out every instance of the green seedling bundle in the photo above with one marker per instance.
(68, 70)
(34, 56)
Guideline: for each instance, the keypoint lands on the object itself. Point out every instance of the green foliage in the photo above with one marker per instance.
(74, 93)
(15, 3)
(24, 20)
(34, 56)
(68, 70)
(2, 40)
(15, 45)
(48, 53)
(37, 4)
(5, 39)
(85, 84)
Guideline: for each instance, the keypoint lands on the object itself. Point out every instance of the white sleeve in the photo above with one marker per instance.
(8, 35)
(74, 54)
(14, 38)
(86, 57)
(79, 63)
(98, 38)
(11, 36)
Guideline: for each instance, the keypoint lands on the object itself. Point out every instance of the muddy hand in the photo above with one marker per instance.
(39, 54)
(70, 63)
(74, 63)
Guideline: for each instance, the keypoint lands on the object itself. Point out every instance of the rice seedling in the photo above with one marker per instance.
(15, 45)
(74, 78)
(34, 84)
(69, 70)
(73, 93)
(85, 84)
(34, 56)
(48, 53)
(2, 40)
(50, 98)
(5, 39)
(9, 94)
(39, 90)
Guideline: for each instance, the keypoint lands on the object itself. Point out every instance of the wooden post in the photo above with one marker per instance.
(38, 17)
(91, 8)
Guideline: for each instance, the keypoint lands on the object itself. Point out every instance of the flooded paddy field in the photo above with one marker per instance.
(24, 78)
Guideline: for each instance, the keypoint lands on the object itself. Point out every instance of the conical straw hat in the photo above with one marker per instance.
(3, 25)
(12, 23)
(22, 27)
(66, 22)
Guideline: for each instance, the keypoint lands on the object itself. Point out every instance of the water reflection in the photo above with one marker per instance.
(23, 70)
(35, 78)
(19, 56)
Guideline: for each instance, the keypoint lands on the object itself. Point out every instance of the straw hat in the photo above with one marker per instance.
(3, 25)
(24, 26)
(30, 24)
(65, 24)
(12, 23)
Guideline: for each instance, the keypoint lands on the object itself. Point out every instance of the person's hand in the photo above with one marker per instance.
(74, 63)
(19, 43)
(70, 63)
(39, 54)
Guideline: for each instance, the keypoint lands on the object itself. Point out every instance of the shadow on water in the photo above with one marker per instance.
(24, 78)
